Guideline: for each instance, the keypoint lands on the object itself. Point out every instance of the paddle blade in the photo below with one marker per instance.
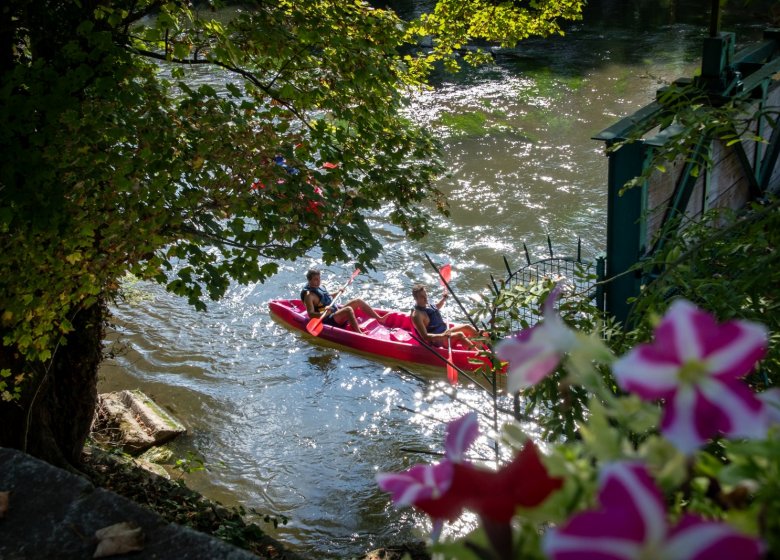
(452, 373)
(446, 272)
(315, 326)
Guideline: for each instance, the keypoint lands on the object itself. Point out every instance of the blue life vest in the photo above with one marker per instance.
(436, 324)
(325, 297)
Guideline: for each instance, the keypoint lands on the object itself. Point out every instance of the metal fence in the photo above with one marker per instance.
(581, 276)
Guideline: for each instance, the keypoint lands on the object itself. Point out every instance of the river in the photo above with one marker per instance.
(297, 429)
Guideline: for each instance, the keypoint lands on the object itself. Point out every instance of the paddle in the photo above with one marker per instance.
(452, 373)
(445, 272)
(315, 326)
(453, 294)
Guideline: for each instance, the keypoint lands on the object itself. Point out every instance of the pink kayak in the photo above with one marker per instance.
(395, 339)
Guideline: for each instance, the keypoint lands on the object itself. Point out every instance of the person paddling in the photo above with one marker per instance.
(429, 323)
(317, 299)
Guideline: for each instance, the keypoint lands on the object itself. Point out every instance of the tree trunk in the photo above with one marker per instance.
(53, 417)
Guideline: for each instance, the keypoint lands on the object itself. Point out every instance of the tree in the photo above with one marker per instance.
(117, 161)
(456, 24)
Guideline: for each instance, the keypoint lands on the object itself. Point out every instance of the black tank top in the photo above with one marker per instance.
(436, 324)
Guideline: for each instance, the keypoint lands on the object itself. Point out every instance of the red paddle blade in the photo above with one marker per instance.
(446, 272)
(452, 373)
(315, 326)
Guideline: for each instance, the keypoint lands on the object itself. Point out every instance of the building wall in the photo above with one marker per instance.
(725, 185)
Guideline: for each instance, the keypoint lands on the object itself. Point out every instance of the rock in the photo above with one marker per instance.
(157, 455)
(119, 426)
(153, 468)
(131, 420)
(408, 551)
(160, 424)
(55, 514)
(118, 538)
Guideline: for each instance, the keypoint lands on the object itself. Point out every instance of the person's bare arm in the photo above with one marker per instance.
(311, 305)
(420, 321)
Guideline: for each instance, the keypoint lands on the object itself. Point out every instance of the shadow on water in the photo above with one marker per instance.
(323, 363)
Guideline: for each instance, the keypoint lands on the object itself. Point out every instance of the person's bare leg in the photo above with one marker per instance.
(365, 308)
(460, 333)
(348, 314)
(467, 330)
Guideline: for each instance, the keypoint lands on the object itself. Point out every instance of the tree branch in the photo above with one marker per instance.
(247, 75)
(224, 241)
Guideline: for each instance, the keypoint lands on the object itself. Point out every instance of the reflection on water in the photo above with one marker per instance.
(299, 429)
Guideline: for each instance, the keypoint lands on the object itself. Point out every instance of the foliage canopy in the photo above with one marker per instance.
(120, 157)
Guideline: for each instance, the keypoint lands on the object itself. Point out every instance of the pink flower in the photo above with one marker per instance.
(494, 495)
(534, 353)
(631, 524)
(423, 482)
(444, 490)
(461, 433)
(695, 365)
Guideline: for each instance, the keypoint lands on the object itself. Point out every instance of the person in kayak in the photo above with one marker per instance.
(316, 299)
(429, 323)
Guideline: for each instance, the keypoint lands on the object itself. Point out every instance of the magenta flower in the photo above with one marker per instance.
(426, 482)
(421, 482)
(444, 490)
(631, 525)
(695, 365)
(535, 352)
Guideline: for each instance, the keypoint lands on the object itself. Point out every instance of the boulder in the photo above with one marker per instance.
(52, 513)
(133, 421)
(157, 455)
(161, 425)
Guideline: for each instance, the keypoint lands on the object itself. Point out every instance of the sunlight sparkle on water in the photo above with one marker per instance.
(303, 428)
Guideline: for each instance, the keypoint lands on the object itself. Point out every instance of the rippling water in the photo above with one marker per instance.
(300, 429)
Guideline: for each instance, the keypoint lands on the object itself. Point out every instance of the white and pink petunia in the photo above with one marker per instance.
(631, 524)
(421, 482)
(444, 490)
(535, 352)
(696, 365)
(429, 482)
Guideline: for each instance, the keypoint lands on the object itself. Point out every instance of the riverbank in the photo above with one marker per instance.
(176, 503)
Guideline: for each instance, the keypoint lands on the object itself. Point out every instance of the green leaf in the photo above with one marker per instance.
(602, 439)
(233, 89)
